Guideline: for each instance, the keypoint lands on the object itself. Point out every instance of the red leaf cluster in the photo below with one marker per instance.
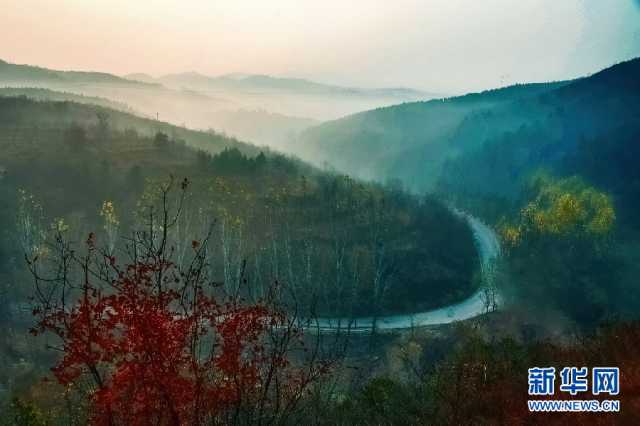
(156, 359)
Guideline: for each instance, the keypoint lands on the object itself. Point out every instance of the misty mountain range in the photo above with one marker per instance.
(258, 108)
(193, 81)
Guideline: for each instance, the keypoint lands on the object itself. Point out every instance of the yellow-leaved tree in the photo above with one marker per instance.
(557, 248)
(564, 208)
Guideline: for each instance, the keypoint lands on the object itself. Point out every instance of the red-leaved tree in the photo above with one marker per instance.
(153, 342)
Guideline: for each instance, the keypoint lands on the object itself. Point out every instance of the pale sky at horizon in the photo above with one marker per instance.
(447, 46)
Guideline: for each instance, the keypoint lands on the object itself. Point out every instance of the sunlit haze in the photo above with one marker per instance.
(430, 45)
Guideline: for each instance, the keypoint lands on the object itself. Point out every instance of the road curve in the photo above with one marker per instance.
(488, 247)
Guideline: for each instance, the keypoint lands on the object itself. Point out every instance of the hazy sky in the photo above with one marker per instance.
(440, 45)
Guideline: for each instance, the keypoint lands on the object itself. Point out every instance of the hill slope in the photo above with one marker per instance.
(588, 128)
(21, 112)
(418, 132)
(485, 142)
(10, 73)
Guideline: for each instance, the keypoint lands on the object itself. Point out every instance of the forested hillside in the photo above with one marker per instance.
(411, 141)
(595, 117)
(486, 143)
(72, 157)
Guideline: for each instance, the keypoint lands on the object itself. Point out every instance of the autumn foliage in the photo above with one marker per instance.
(562, 208)
(154, 342)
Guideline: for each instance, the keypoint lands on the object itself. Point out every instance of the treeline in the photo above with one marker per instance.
(41, 94)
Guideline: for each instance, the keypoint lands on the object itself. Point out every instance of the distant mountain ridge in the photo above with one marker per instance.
(260, 108)
(248, 82)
